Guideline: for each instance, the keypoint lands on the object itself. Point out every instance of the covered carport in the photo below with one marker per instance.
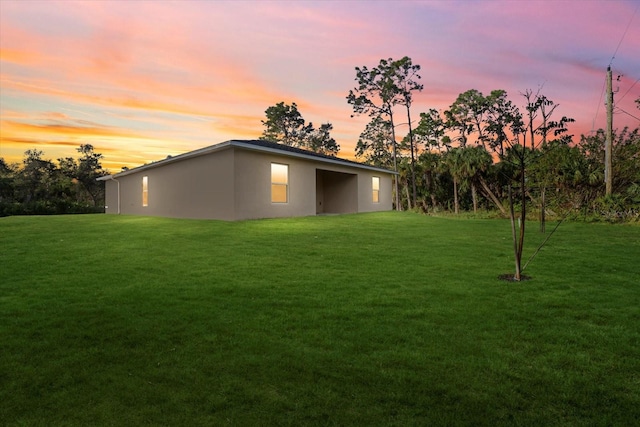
(336, 192)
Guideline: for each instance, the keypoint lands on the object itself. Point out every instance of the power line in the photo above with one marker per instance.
(628, 114)
(623, 35)
(593, 124)
(629, 90)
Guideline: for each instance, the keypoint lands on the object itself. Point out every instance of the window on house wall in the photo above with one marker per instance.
(279, 183)
(375, 185)
(145, 191)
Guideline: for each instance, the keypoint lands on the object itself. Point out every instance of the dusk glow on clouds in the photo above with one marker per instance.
(146, 79)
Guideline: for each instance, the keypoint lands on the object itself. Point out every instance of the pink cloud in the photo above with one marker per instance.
(201, 72)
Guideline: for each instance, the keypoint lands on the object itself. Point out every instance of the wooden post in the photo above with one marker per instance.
(608, 179)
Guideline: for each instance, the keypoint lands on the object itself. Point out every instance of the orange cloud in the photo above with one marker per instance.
(17, 56)
(56, 139)
(10, 127)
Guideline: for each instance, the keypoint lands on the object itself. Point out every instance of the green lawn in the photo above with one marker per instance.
(373, 319)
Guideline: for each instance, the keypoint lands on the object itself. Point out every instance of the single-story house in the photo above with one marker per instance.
(237, 180)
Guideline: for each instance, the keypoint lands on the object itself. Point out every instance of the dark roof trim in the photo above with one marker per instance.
(256, 145)
(268, 146)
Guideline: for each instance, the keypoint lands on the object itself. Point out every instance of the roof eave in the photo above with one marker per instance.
(337, 161)
(246, 146)
(194, 153)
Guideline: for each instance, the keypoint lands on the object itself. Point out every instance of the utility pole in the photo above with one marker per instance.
(609, 137)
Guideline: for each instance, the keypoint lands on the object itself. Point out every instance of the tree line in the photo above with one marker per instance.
(471, 156)
(42, 187)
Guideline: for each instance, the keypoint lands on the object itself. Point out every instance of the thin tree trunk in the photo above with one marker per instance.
(543, 207)
(523, 207)
(429, 186)
(512, 217)
(395, 161)
(413, 159)
(534, 201)
(474, 196)
(455, 195)
(406, 191)
(492, 196)
(530, 131)
(523, 214)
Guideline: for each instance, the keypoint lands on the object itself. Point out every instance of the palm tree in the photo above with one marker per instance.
(430, 164)
(453, 160)
(473, 163)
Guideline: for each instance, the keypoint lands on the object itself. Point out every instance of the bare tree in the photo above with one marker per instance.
(521, 156)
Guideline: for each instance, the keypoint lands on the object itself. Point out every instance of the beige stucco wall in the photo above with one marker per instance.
(340, 189)
(235, 184)
(199, 187)
(253, 186)
(111, 197)
(365, 193)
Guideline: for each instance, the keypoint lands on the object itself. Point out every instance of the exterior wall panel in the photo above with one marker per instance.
(253, 186)
(200, 187)
(365, 194)
(319, 193)
(111, 201)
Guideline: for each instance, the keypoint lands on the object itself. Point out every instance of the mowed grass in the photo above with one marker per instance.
(372, 319)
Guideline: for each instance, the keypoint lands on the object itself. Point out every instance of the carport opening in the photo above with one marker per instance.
(336, 192)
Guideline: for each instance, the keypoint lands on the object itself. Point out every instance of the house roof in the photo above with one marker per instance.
(256, 145)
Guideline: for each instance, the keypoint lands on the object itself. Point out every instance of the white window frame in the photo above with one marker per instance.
(375, 189)
(276, 183)
(145, 191)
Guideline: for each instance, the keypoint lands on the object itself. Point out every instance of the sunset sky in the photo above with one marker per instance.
(140, 80)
